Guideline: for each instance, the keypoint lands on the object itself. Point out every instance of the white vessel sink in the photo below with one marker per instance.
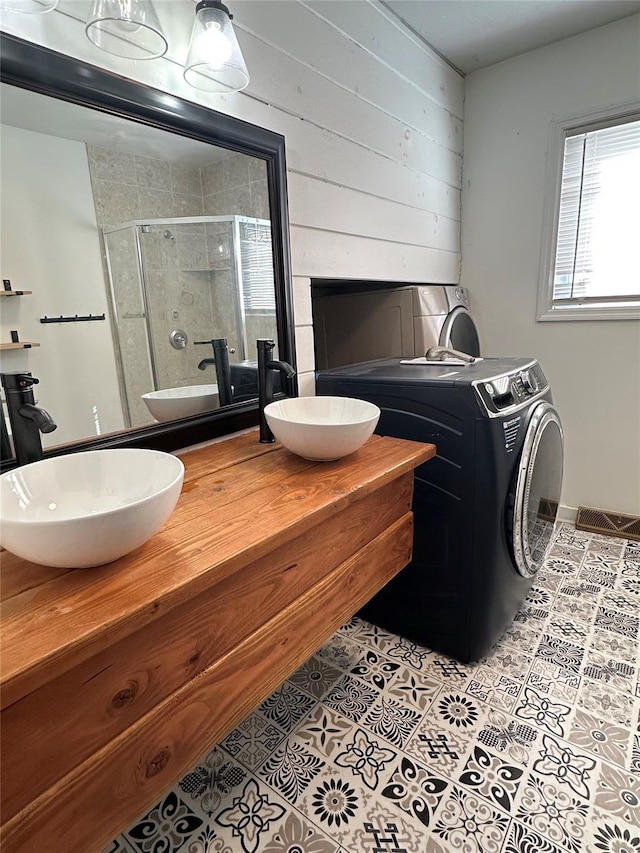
(86, 509)
(322, 428)
(171, 403)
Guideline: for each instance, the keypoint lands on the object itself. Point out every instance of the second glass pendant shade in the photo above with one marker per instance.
(214, 61)
(127, 28)
(29, 7)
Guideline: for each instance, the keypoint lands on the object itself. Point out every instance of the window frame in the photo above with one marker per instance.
(584, 122)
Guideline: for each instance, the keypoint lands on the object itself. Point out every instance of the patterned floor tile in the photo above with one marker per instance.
(291, 769)
(335, 803)
(253, 741)
(629, 578)
(521, 839)
(613, 835)
(379, 745)
(635, 755)
(295, 833)
(610, 546)
(204, 788)
(560, 653)
(416, 790)
(391, 720)
(554, 812)
(491, 776)
(600, 737)
(286, 706)
(544, 712)
(439, 748)
(618, 792)
(171, 823)
(249, 817)
(465, 821)
(622, 597)
(599, 666)
(315, 677)
(572, 769)
(602, 700)
(511, 738)
(341, 651)
(376, 668)
(324, 730)
(632, 551)
(351, 697)
(569, 554)
(523, 636)
(616, 645)
(413, 688)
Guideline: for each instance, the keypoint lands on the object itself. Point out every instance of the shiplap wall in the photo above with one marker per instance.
(373, 126)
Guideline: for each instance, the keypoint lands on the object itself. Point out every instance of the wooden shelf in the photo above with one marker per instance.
(16, 292)
(19, 345)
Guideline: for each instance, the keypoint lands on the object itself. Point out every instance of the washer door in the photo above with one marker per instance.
(537, 489)
(459, 332)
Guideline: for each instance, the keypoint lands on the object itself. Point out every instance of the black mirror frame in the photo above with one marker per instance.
(47, 72)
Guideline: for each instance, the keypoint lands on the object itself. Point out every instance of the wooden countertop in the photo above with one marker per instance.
(242, 503)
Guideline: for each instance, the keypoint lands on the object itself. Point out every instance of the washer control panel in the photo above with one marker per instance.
(500, 394)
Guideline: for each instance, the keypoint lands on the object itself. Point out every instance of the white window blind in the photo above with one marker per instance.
(597, 256)
(257, 267)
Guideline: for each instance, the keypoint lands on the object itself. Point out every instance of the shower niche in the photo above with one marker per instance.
(177, 282)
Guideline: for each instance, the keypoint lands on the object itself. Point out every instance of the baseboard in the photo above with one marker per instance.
(567, 513)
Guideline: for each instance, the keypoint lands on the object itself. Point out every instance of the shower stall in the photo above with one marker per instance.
(176, 283)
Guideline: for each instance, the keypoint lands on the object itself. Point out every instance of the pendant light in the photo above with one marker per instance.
(29, 7)
(214, 61)
(126, 28)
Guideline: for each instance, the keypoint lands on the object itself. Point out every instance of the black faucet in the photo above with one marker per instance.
(27, 420)
(266, 368)
(221, 361)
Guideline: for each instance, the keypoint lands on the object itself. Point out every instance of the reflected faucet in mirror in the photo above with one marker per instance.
(27, 420)
(267, 368)
(221, 361)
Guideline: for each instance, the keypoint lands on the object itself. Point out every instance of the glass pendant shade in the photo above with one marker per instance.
(127, 28)
(29, 7)
(214, 61)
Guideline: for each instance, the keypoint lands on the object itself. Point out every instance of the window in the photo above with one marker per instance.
(591, 266)
(257, 267)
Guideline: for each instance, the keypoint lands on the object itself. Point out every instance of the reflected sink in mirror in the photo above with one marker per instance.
(87, 509)
(322, 429)
(172, 403)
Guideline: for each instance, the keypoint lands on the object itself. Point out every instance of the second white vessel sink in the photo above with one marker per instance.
(322, 428)
(87, 509)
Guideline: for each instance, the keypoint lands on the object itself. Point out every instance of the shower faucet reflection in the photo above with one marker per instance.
(27, 420)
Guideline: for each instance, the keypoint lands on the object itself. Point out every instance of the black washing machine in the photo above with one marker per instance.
(484, 507)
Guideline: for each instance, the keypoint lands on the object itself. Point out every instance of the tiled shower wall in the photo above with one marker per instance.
(239, 185)
(190, 279)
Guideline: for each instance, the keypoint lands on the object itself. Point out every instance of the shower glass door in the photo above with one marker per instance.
(191, 294)
(178, 282)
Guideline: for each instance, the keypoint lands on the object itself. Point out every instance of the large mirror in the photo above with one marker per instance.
(144, 250)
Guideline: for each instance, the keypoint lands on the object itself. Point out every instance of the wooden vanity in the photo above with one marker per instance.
(115, 680)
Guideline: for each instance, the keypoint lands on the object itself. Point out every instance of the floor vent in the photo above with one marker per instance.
(609, 523)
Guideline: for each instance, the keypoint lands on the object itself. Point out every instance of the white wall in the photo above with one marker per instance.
(593, 366)
(50, 246)
(372, 120)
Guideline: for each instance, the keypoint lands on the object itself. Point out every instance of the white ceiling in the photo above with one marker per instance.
(472, 34)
